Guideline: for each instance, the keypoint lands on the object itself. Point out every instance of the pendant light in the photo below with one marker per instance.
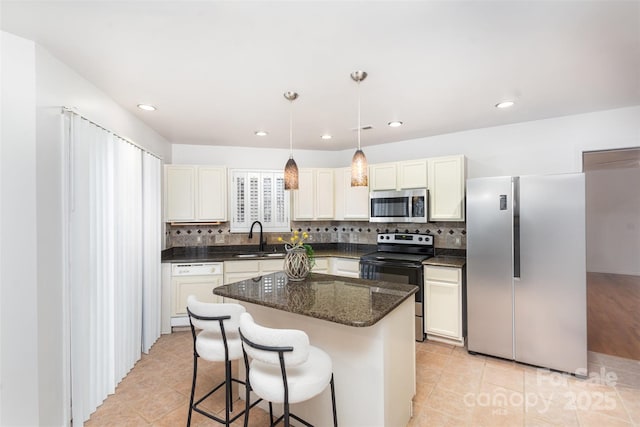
(291, 169)
(359, 177)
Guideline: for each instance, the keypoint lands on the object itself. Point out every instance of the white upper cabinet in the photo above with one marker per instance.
(212, 193)
(412, 174)
(383, 176)
(195, 193)
(446, 188)
(314, 198)
(352, 203)
(258, 196)
(180, 185)
(398, 175)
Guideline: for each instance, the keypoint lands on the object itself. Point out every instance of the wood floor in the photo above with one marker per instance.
(613, 314)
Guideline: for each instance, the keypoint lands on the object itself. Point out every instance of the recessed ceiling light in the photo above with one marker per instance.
(395, 124)
(326, 136)
(147, 107)
(505, 104)
(261, 133)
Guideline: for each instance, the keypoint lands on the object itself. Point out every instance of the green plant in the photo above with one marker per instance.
(298, 240)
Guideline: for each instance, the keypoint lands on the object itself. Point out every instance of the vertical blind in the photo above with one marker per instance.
(113, 266)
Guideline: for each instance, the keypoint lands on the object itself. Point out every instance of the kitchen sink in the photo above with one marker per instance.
(275, 255)
(246, 255)
(261, 255)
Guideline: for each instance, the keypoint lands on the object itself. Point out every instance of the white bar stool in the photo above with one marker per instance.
(218, 341)
(284, 368)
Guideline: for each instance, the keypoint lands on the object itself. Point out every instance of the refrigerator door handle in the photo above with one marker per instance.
(515, 182)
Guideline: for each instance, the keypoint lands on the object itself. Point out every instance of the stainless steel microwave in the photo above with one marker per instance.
(399, 206)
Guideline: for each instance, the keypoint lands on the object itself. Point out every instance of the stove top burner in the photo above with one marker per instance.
(408, 247)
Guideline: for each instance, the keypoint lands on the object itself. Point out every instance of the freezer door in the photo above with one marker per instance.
(550, 296)
(489, 266)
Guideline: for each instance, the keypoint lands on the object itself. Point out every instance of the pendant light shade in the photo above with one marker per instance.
(359, 168)
(291, 175)
(291, 168)
(359, 177)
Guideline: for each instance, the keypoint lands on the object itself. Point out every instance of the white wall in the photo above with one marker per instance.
(18, 236)
(251, 158)
(537, 147)
(35, 86)
(613, 221)
(528, 148)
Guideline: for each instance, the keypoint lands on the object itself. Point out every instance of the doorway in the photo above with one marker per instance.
(613, 251)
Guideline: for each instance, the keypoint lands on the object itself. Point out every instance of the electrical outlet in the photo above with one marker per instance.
(199, 239)
(458, 241)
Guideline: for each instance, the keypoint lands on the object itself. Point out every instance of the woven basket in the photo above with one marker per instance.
(296, 264)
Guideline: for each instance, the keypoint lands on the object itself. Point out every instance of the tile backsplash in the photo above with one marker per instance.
(450, 235)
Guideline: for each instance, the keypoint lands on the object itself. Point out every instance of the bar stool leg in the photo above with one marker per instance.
(271, 412)
(333, 403)
(193, 387)
(229, 398)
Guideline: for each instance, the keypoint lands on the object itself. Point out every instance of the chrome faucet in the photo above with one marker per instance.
(261, 244)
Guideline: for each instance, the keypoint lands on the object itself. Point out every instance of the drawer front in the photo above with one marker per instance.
(242, 266)
(321, 264)
(442, 274)
(271, 265)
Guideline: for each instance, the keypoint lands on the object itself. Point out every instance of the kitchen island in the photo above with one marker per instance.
(367, 327)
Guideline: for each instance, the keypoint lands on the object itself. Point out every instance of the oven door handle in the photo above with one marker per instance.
(388, 263)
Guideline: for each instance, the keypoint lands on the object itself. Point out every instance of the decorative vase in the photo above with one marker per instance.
(296, 264)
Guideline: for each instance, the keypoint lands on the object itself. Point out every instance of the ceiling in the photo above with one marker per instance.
(217, 71)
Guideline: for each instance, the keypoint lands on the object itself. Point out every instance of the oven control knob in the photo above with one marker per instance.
(388, 237)
(419, 239)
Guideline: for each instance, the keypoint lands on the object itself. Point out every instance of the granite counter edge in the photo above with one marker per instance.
(220, 292)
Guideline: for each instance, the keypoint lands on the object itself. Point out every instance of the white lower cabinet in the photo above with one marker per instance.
(321, 265)
(200, 286)
(346, 267)
(271, 265)
(235, 271)
(443, 311)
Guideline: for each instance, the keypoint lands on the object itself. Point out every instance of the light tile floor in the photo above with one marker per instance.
(454, 388)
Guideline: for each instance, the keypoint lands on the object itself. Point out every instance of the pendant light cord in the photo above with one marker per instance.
(359, 125)
(291, 129)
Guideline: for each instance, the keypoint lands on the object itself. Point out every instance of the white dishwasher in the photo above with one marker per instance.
(197, 279)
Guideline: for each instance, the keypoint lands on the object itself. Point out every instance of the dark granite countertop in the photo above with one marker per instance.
(446, 261)
(238, 252)
(344, 300)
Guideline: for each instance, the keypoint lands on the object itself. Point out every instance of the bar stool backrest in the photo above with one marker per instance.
(207, 310)
(296, 340)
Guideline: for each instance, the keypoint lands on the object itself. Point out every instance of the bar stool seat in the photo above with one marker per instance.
(284, 368)
(211, 348)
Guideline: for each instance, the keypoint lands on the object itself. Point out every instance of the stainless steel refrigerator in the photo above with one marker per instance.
(526, 269)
